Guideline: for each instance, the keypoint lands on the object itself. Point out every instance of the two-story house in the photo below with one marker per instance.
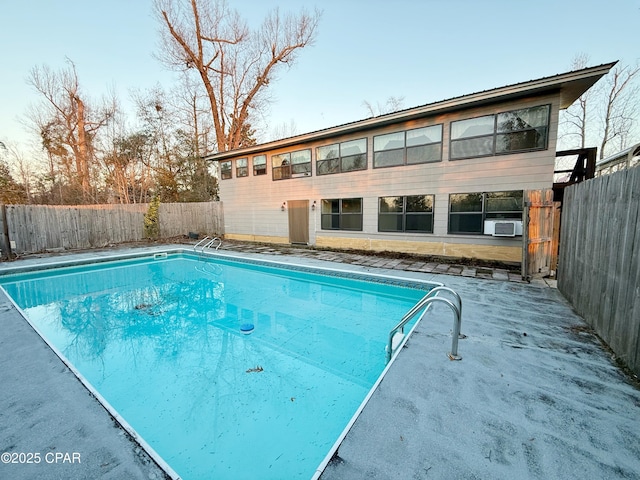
(447, 179)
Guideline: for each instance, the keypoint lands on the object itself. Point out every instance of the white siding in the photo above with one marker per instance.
(253, 204)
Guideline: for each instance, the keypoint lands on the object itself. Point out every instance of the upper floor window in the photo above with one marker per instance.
(291, 164)
(341, 214)
(260, 165)
(242, 167)
(420, 145)
(467, 211)
(301, 163)
(225, 170)
(507, 132)
(413, 213)
(342, 157)
(281, 166)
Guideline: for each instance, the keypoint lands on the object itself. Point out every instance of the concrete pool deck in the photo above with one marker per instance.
(534, 396)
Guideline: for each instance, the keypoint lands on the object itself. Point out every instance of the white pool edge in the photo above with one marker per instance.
(327, 459)
(150, 253)
(162, 464)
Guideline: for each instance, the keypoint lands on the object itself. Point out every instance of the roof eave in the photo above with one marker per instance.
(571, 86)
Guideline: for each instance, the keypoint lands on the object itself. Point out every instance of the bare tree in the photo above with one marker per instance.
(621, 107)
(190, 102)
(605, 113)
(196, 136)
(234, 63)
(23, 168)
(578, 116)
(393, 104)
(67, 123)
(283, 130)
(172, 137)
(10, 190)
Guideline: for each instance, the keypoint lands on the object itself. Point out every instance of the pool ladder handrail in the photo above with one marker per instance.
(424, 303)
(204, 245)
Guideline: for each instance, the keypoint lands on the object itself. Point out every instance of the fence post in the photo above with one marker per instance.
(5, 242)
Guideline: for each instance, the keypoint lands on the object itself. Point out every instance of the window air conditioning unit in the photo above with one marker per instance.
(503, 228)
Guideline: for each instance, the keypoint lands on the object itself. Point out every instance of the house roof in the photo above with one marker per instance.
(571, 86)
(623, 154)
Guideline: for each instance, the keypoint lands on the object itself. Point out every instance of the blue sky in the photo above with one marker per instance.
(422, 50)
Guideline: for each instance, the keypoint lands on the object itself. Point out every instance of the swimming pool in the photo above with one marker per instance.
(160, 338)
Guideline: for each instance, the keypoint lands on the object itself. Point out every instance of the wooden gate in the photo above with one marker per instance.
(538, 242)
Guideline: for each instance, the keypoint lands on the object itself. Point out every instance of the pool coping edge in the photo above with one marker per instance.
(150, 253)
(137, 438)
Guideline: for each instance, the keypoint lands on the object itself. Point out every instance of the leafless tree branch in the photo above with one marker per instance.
(234, 63)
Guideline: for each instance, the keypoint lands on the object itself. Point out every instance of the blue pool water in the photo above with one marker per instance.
(161, 341)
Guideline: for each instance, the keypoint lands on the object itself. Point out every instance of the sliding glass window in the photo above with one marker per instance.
(419, 145)
(413, 213)
(301, 163)
(281, 166)
(341, 157)
(522, 130)
(291, 164)
(341, 214)
(508, 132)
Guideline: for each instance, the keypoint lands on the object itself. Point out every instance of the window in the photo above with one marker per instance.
(281, 166)
(420, 145)
(467, 211)
(341, 214)
(507, 132)
(341, 157)
(291, 165)
(301, 163)
(242, 168)
(260, 165)
(524, 129)
(225, 169)
(413, 213)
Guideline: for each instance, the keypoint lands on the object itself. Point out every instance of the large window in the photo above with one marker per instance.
(420, 145)
(281, 166)
(341, 214)
(242, 167)
(301, 163)
(507, 132)
(260, 165)
(225, 170)
(342, 157)
(291, 164)
(467, 211)
(413, 213)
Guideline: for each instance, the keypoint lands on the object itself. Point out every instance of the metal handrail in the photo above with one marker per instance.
(442, 288)
(208, 244)
(425, 303)
(201, 242)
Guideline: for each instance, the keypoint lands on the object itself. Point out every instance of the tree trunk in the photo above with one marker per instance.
(83, 151)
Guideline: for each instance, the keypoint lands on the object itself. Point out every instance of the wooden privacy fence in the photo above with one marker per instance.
(198, 217)
(38, 228)
(599, 262)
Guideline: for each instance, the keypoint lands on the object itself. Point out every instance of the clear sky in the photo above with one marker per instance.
(422, 50)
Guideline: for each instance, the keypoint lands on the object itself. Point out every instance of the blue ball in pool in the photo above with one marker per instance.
(246, 328)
